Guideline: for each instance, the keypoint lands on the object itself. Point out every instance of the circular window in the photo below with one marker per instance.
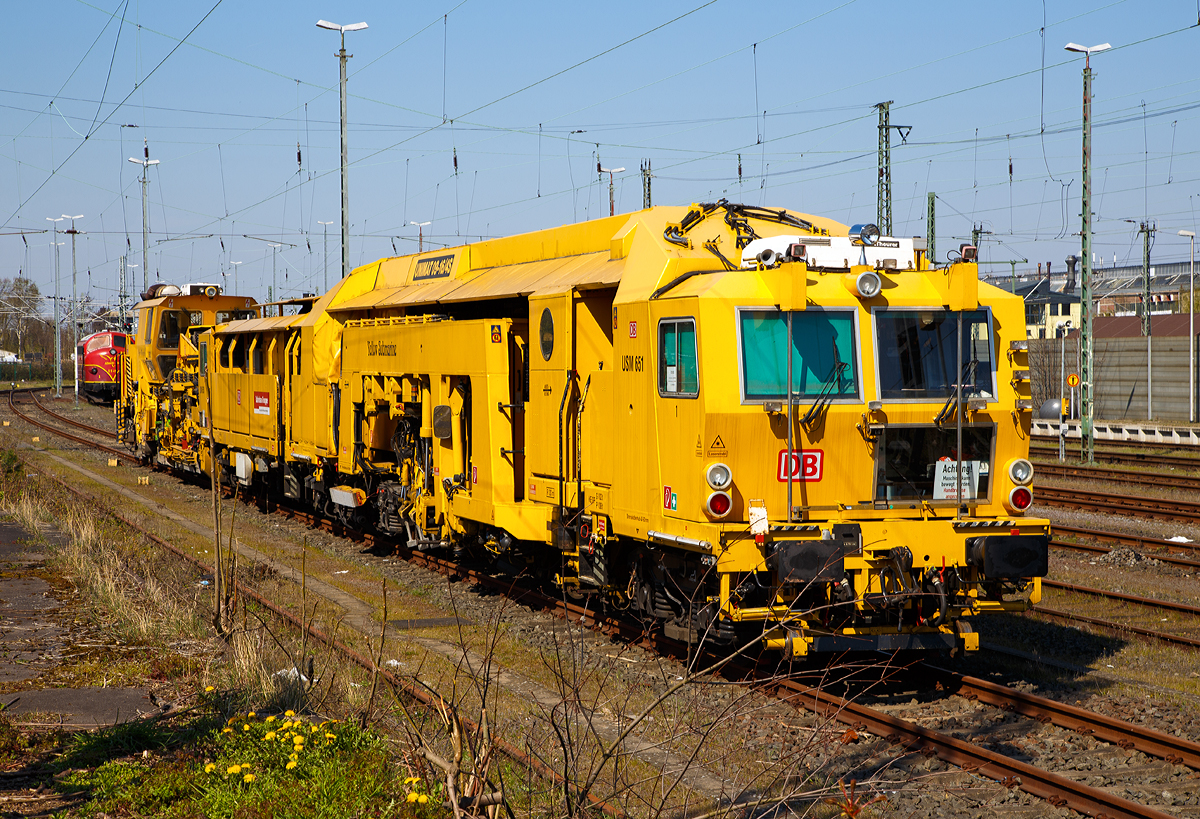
(546, 331)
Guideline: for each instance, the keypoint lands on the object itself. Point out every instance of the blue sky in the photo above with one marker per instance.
(224, 93)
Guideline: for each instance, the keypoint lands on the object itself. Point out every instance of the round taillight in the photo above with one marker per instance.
(719, 476)
(719, 504)
(1020, 498)
(1020, 471)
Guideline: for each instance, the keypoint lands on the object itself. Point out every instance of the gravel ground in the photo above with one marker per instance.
(769, 734)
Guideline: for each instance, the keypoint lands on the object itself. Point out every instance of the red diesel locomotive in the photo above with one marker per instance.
(98, 362)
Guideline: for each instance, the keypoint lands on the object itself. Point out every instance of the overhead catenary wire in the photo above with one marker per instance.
(775, 173)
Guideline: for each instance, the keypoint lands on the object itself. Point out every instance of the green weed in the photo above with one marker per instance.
(254, 767)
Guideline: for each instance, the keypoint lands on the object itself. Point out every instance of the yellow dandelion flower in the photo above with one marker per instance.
(251, 715)
(314, 730)
(422, 799)
(287, 724)
(209, 689)
(248, 778)
(293, 757)
(330, 736)
(269, 735)
(245, 727)
(290, 765)
(289, 713)
(210, 767)
(412, 797)
(231, 720)
(270, 718)
(234, 769)
(227, 730)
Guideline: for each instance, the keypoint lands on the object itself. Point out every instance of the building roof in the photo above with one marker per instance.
(1167, 325)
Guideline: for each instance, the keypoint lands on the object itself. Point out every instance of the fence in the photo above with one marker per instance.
(1126, 373)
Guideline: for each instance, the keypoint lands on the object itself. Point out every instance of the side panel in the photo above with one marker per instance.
(552, 359)
(636, 497)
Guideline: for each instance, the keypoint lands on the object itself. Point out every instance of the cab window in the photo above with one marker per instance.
(149, 325)
(823, 354)
(174, 322)
(918, 359)
(678, 369)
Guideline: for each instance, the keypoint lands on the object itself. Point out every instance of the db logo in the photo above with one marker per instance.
(807, 465)
(633, 329)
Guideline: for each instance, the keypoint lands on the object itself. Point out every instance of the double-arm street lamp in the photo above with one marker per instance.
(342, 56)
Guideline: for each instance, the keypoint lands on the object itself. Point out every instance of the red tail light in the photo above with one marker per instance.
(1020, 499)
(719, 504)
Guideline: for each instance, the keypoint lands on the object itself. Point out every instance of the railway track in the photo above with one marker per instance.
(1122, 539)
(1044, 455)
(1104, 446)
(1099, 473)
(1058, 789)
(1117, 504)
(31, 419)
(103, 433)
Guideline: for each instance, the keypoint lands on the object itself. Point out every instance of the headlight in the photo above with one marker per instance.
(719, 504)
(719, 476)
(1020, 471)
(1020, 498)
(865, 285)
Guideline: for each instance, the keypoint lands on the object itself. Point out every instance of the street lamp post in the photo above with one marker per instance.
(236, 289)
(342, 56)
(326, 232)
(1191, 327)
(420, 235)
(131, 267)
(145, 163)
(274, 295)
(74, 310)
(57, 328)
(1086, 373)
(610, 171)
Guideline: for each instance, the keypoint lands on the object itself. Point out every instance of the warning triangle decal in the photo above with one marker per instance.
(717, 443)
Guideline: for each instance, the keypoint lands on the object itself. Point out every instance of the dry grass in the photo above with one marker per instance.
(112, 573)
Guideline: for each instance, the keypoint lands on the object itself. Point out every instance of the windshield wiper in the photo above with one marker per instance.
(825, 397)
(968, 371)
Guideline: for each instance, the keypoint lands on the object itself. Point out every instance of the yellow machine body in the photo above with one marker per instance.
(606, 403)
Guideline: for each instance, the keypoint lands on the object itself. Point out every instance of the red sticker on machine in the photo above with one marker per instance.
(262, 403)
(807, 465)
(633, 329)
(474, 474)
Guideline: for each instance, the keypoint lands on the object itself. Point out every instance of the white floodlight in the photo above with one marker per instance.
(1089, 50)
(343, 29)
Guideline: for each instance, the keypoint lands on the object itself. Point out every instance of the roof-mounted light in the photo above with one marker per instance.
(865, 234)
(865, 285)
